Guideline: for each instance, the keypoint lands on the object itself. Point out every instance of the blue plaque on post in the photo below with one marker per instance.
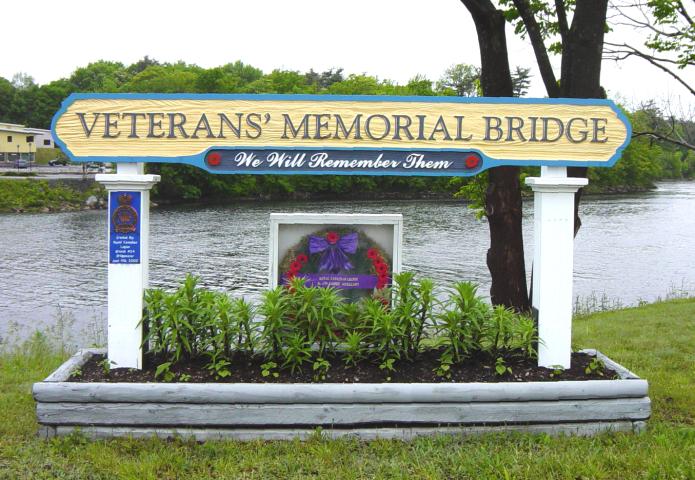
(124, 228)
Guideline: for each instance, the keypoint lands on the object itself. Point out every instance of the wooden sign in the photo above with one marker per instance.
(348, 135)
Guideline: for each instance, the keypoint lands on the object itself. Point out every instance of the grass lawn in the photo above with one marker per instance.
(655, 341)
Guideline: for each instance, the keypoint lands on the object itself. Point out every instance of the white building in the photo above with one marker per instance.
(42, 138)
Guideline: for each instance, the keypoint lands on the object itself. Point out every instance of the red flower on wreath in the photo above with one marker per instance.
(332, 238)
(380, 266)
(301, 258)
(295, 266)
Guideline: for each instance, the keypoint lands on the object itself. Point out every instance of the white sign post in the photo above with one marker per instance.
(128, 233)
(553, 252)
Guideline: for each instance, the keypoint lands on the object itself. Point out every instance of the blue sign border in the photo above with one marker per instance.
(198, 160)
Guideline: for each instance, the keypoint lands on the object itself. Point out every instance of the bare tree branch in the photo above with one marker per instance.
(646, 23)
(684, 13)
(632, 51)
(665, 138)
(626, 53)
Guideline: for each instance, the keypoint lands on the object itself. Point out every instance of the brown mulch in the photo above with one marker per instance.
(247, 369)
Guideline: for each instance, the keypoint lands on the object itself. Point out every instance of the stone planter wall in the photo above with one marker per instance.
(285, 411)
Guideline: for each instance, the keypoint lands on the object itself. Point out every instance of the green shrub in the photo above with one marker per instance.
(295, 326)
(35, 195)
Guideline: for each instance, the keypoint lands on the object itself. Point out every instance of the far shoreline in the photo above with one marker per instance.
(80, 194)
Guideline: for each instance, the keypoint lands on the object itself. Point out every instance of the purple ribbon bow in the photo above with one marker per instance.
(334, 258)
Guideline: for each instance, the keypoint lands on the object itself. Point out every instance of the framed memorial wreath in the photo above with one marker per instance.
(340, 256)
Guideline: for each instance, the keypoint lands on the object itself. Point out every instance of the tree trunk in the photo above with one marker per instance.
(582, 54)
(505, 257)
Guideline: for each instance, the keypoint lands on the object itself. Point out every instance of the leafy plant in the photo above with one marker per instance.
(425, 296)
(269, 369)
(275, 309)
(245, 314)
(317, 314)
(354, 347)
(152, 319)
(105, 365)
(445, 363)
(219, 368)
(222, 329)
(556, 370)
(300, 325)
(352, 317)
(499, 329)
(595, 367)
(405, 310)
(387, 367)
(501, 366)
(525, 338)
(412, 307)
(164, 371)
(320, 367)
(296, 352)
(385, 330)
(463, 320)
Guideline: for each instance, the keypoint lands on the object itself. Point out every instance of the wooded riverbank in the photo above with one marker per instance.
(35, 194)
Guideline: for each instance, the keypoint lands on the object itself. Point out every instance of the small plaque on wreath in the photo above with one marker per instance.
(356, 254)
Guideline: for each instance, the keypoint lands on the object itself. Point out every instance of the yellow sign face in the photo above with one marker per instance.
(374, 135)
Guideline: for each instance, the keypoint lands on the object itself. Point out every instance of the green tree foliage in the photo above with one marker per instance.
(420, 85)
(647, 159)
(521, 80)
(101, 76)
(7, 93)
(461, 80)
(176, 78)
(321, 81)
(141, 65)
(357, 85)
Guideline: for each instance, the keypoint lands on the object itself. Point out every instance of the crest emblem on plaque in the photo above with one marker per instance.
(125, 217)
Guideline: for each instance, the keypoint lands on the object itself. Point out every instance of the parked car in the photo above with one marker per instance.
(95, 167)
(58, 161)
(21, 163)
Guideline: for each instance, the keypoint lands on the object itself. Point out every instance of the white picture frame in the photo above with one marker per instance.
(304, 221)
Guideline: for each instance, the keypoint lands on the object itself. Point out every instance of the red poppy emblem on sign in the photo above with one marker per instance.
(214, 159)
(472, 161)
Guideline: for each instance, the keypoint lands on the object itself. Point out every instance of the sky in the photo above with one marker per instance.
(391, 39)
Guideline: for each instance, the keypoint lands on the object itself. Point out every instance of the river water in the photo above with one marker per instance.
(53, 266)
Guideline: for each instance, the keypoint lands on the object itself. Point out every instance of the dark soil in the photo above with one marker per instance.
(247, 369)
